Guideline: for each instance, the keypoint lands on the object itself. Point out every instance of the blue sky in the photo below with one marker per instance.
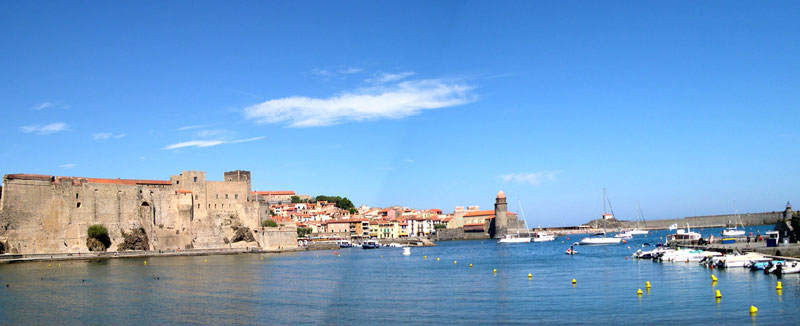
(684, 106)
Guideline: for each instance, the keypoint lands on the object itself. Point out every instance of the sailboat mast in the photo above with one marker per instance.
(604, 211)
(524, 218)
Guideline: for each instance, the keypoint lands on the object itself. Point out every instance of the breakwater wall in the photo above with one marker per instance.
(748, 219)
(458, 234)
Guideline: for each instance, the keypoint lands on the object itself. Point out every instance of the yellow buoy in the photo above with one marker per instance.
(574, 281)
(145, 262)
(639, 292)
(530, 275)
(647, 284)
(779, 286)
(713, 278)
(494, 271)
(437, 258)
(718, 294)
(205, 260)
(424, 257)
(470, 265)
(59, 264)
(381, 256)
(753, 309)
(48, 265)
(780, 292)
(340, 255)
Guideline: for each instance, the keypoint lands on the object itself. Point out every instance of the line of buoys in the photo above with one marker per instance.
(718, 295)
(639, 292)
(647, 285)
(779, 286)
(713, 278)
(753, 310)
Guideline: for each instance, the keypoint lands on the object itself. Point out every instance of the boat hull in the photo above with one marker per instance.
(599, 241)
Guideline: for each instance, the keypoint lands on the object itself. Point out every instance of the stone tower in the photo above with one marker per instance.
(500, 217)
(787, 214)
(239, 176)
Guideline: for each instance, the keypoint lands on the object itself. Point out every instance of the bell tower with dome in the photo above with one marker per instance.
(500, 216)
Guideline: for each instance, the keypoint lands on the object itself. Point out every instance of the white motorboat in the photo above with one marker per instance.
(734, 260)
(543, 236)
(407, 251)
(624, 235)
(685, 235)
(600, 238)
(789, 268)
(571, 251)
(638, 232)
(514, 238)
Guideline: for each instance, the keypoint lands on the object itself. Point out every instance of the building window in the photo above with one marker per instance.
(177, 182)
(195, 196)
(195, 179)
(235, 196)
(215, 206)
(198, 206)
(76, 195)
(217, 196)
(79, 205)
(223, 206)
(226, 196)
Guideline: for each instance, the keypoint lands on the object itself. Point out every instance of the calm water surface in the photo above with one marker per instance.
(360, 287)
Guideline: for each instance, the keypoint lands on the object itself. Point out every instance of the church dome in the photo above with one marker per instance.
(501, 194)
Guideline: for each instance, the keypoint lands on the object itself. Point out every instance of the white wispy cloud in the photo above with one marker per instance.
(391, 101)
(389, 77)
(106, 135)
(212, 132)
(44, 129)
(330, 72)
(67, 166)
(209, 143)
(190, 127)
(535, 178)
(42, 106)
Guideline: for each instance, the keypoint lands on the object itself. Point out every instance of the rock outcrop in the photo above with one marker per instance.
(242, 233)
(95, 245)
(135, 240)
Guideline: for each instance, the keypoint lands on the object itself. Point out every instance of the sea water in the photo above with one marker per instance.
(381, 286)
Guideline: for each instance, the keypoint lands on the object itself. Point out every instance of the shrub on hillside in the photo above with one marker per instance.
(99, 233)
(269, 223)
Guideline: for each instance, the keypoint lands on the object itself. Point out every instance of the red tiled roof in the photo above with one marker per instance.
(478, 213)
(183, 191)
(275, 193)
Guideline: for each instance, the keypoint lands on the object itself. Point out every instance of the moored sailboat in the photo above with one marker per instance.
(600, 238)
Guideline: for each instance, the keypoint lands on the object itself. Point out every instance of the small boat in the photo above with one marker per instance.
(765, 265)
(370, 244)
(571, 251)
(734, 231)
(345, 244)
(788, 268)
(638, 232)
(639, 220)
(684, 234)
(600, 238)
(624, 235)
(543, 236)
(407, 251)
(513, 238)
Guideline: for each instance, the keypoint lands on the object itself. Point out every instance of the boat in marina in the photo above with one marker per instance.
(571, 251)
(407, 251)
(639, 221)
(601, 238)
(543, 236)
(517, 238)
(734, 231)
(687, 234)
(624, 235)
(735, 260)
(370, 244)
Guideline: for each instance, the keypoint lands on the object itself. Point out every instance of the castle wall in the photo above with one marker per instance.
(44, 214)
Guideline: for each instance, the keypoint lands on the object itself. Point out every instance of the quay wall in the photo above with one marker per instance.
(748, 219)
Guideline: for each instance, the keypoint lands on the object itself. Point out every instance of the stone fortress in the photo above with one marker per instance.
(51, 214)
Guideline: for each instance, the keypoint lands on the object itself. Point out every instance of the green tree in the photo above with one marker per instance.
(303, 232)
(269, 223)
(295, 199)
(99, 232)
(353, 211)
(440, 226)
